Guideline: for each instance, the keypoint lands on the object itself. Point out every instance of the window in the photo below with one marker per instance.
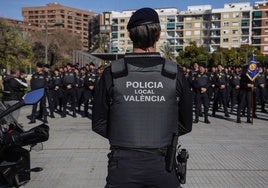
(122, 27)
(225, 40)
(266, 22)
(188, 18)
(235, 40)
(266, 39)
(265, 48)
(225, 23)
(225, 31)
(266, 31)
(122, 34)
(235, 32)
(188, 33)
(226, 15)
(197, 25)
(196, 32)
(122, 20)
(188, 25)
(235, 24)
(235, 15)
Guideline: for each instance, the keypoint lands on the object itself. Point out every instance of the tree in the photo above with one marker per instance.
(193, 54)
(167, 51)
(61, 45)
(100, 43)
(15, 50)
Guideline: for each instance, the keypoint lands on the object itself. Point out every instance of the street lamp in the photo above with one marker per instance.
(46, 38)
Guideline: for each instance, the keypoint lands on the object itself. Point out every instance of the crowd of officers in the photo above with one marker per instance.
(68, 90)
(229, 88)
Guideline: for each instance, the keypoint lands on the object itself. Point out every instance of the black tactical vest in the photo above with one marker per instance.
(38, 81)
(144, 108)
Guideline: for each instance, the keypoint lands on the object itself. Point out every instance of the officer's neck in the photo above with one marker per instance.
(147, 50)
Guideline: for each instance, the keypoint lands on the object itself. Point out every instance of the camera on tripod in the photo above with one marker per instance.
(181, 166)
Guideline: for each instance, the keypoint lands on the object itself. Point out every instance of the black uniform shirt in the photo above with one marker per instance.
(104, 92)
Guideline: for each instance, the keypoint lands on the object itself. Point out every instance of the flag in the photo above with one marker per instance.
(253, 70)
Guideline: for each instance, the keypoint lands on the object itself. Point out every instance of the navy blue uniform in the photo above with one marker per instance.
(221, 83)
(68, 81)
(38, 81)
(136, 162)
(201, 84)
(235, 88)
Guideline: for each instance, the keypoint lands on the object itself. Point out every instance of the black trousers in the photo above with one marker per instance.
(137, 169)
(220, 96)
(69, 95)
(245, 100)
(201, 98)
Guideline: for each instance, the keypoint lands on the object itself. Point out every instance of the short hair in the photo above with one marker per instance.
(144, 36)
(14, 71)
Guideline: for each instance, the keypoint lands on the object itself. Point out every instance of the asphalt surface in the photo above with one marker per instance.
(223, 154)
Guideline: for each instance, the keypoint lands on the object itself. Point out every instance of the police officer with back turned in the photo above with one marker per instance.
(139, 103)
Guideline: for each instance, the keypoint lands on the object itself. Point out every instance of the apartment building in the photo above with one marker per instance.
(227, 27)
(53, 15)
(114, 24)
(260, 26)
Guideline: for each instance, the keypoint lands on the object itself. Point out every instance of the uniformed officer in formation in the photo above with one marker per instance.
(201, 84)
(139, 102)
(49, 89)
(38, 81)
(260, 89)
(80, 84)
(69, 94)
(221, 82)
(245, 96)
(57, 91)
(235, 86)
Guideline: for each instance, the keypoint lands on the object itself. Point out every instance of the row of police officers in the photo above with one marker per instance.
(67, 86)
(227, 87)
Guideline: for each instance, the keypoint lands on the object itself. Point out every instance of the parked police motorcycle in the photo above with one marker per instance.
(15, 168)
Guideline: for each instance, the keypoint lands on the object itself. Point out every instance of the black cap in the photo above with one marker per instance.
(143, 16)
(202, 65)
(46, 66)
(40, 65)
(91, 64)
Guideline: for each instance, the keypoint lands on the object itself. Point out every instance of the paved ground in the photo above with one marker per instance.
(222, 155)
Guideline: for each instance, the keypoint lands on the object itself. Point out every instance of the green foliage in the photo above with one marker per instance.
(100, 43)
(193, 54)
(227, 57)
(167, 50)
(15, 51)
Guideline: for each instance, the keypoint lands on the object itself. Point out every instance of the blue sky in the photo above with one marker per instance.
(12, 8)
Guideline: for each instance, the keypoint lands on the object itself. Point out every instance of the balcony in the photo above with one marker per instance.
(257, 14)
(170, 26)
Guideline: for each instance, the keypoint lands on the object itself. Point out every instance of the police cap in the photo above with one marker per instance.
(143, 16)
(91, 64)
(202, 65)
(40, 65)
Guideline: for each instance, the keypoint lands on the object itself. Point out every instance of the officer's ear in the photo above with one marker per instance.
(158, 37)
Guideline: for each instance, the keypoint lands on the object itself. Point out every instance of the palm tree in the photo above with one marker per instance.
(167, 51)
(100, 43)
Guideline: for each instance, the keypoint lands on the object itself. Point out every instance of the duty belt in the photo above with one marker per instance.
(159, 151)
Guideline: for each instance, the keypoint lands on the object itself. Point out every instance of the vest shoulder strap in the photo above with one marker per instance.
(169, 69)
(119, 68)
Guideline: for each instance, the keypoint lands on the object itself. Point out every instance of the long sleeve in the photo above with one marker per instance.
(101, 103)
(185, 105)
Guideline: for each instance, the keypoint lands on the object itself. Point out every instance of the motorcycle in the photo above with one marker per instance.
(15, 168)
